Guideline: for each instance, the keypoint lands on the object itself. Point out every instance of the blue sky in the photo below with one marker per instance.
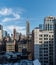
(14, 13)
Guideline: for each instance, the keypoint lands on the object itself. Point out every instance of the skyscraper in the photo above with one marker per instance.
(1, 32)
(48, 23)
(27, 28)
(14, 34)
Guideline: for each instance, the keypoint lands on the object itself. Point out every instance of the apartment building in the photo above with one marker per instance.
(54, 57)
(43, 46)
(26, 45)
(10, 47)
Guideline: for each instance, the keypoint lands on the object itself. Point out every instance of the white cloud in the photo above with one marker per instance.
(7, 13)
(16, 17)
(18, 29)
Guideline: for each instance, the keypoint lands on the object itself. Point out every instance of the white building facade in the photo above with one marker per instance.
(43, 46)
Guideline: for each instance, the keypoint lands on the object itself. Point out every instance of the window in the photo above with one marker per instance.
(45, 48)
(45, 41)
(40, 38)
(52, 36)
(45, 58)
(46, 62)
(45, 45)
(48, 26)
(45, 54)
(45, 51)
(46, 35)
(40, 35)
(45, 38)
(40, 41)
